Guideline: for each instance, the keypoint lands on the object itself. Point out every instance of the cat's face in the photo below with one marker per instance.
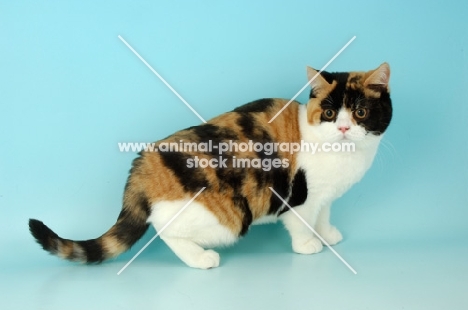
(350, 106)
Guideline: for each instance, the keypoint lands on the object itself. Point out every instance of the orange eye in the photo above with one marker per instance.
(360, 113)
(329, 114)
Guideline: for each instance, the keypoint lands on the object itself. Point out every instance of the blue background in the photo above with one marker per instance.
(70, 90)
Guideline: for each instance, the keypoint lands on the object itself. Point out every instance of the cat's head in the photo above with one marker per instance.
(349, 106)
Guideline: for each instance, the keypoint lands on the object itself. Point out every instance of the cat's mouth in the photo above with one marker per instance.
(352, 137)
(345, 137)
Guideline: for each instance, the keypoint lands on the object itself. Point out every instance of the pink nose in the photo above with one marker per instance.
(343, 129)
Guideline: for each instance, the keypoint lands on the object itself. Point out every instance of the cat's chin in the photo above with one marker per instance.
(352, 138)
(339, 138)
(348, 139)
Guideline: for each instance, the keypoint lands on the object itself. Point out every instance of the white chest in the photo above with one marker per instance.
(330, 174)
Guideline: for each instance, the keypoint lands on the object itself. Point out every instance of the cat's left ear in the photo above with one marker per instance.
(378, 78)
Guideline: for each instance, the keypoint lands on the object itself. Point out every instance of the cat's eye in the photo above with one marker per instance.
(360, 113)
(329, 114)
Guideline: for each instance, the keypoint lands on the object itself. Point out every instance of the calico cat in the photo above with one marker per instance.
(343, 107)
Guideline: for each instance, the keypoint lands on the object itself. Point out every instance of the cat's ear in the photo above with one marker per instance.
(319, 83)
(378, 78)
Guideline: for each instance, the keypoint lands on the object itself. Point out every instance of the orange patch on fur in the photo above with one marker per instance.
(112, 246)
(355, 80)
(314, 110)
(159, 183)
(65, 248)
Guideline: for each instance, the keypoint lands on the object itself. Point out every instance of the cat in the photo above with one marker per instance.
(344, 107)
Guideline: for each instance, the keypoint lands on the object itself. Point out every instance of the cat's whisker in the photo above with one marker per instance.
(389, 146)
(379, 161)
(389, 153)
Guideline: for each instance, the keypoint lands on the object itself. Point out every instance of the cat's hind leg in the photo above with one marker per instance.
(192, 254)
(191, 232)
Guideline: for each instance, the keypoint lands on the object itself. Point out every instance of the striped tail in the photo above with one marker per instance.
(129, 228)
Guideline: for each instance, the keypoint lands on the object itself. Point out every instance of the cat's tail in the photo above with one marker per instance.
(129, 228)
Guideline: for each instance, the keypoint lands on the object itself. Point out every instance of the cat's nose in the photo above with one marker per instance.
(343, 129)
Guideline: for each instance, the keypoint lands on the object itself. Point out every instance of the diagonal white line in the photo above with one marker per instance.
(313, 230)
(313, 78)
(160, 231)
(162, 79)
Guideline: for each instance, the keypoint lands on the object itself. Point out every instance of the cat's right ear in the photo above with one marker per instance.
(318, 83)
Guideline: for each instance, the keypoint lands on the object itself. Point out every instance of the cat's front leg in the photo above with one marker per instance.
(303, 238)
(328, 232)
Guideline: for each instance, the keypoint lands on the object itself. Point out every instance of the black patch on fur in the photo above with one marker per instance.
(379, 109)
(128, 232)
(93, 250)
(143, 204)
(231, 178)
(380, 114)
(332, 76)
(338, 93)
(255, 132)
(280, 183)
(216, 134)
(298, 191)
(43, 235)
(261, 178)
(252, 130)
(247, 124)
(352, 98)
(130, 227)
(257, 106)
(192, 179)
(212, 132)
(242, 203)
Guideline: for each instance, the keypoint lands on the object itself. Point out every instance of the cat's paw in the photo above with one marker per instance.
(307, 246)
(208, 259)
(331, 235)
